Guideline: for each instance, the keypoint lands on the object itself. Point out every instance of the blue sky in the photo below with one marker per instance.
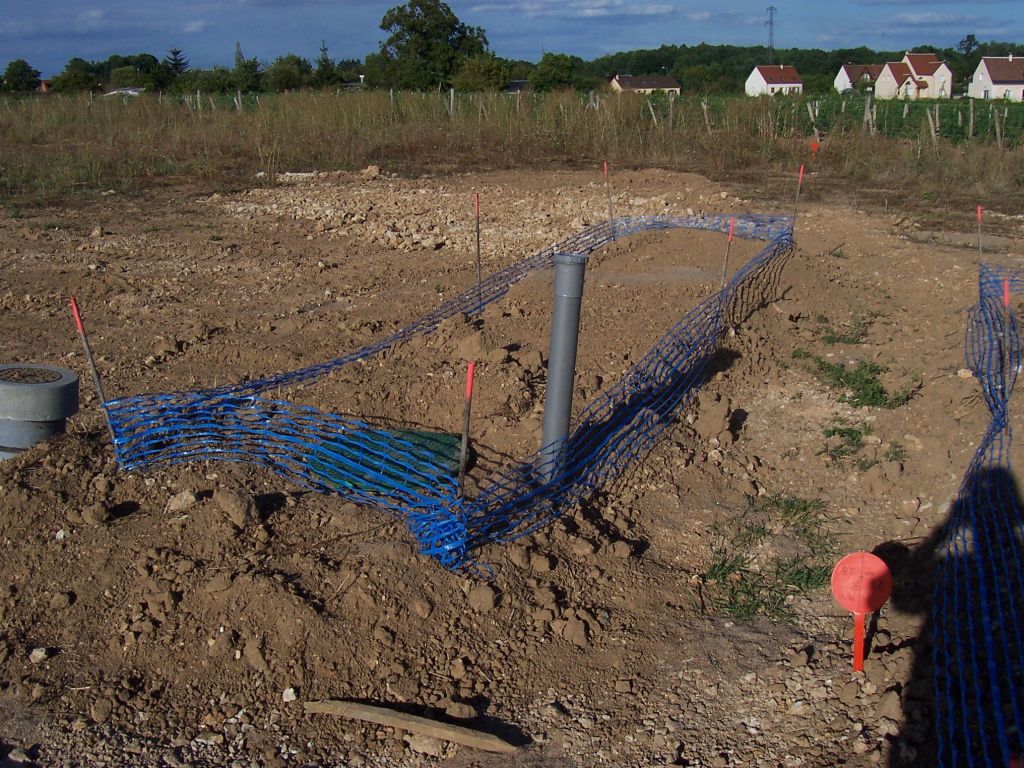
(49, 32)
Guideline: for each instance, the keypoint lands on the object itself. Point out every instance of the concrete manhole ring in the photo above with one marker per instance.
(28, 374)
(35, 402)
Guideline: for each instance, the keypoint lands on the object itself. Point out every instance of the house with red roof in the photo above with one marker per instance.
(998, 77)
(770, 79)
(852, 74)
(917, 76)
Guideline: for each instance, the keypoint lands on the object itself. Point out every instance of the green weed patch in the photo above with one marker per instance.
(774, 550)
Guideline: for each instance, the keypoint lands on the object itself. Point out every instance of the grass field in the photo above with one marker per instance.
(54, 146)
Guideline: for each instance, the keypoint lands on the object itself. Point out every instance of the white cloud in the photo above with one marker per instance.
(587, 9)
(93, 14)
(699, 16)
(195, 26)
(929, 17)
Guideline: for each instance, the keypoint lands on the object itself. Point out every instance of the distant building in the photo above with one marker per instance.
(646, 84)
(998, 77)
(851, 74)
(774, 78)
(896, 81)
(45, 86)
(125, 92)
(917, 76)
(517, 86)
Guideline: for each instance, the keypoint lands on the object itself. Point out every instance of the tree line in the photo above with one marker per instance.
(428, 48)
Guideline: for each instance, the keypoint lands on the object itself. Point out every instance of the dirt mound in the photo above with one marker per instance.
(182, 615)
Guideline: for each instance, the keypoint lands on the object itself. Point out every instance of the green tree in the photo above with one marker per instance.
(142, 70)
(287, 73)
(695, 78)
(77, 75)
(558, 71)
(175, 63)
(818, 83)
(126, 77)
(326, 73)
(967, 45)
(426, 46)
(20, 77)
(216, 80)
(247, 73)
(483, 72)
(519, 70)
(348, 70)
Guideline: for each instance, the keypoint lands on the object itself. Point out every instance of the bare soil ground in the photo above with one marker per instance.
(186, 612)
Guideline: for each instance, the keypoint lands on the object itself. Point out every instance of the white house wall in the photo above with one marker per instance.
(755, 85)
(982, 87)
(842, 82)
(940, 84)
(885, 85)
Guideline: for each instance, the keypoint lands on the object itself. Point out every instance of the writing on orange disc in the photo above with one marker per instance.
(861, 582)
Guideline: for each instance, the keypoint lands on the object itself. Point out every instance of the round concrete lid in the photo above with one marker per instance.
(31, 392)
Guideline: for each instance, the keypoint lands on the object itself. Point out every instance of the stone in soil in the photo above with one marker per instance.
(621, 549)
(576, 632)
(101, 710)
(542, 563)
(889, 706)
(458, 669)
(712, 414)
(424, 745)
(181, 501)
(239, 507)
(800, 658)
(254, 657)
(95, 514)
(460, 710)
(483, 598)
(62, 600)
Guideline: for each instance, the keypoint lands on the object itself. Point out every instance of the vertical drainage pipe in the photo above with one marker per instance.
(565, 332)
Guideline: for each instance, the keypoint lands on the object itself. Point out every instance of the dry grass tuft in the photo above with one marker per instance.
(54, 146)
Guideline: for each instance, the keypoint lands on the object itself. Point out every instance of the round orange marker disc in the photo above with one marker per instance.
(861, 582)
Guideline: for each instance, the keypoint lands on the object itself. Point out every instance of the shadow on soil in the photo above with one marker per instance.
(969, 720)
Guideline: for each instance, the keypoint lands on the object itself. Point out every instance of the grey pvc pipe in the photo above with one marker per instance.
(565, 332)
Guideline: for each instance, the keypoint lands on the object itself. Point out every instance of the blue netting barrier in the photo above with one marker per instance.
(401, 471)
(978, 603)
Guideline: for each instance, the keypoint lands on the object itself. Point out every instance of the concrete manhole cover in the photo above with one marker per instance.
(29, 375)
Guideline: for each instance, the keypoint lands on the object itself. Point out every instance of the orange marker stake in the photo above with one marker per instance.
(467, 410)
(1007, 323)
(979, 230)
(814, 148)
(861, 583)
(608, 189)
(728, 247)
(796, 204)
(479, 290)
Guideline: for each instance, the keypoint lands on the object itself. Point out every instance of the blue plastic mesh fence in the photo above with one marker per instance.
(978, 603)
(401, 471)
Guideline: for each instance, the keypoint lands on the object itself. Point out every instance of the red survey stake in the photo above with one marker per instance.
(861, 583)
